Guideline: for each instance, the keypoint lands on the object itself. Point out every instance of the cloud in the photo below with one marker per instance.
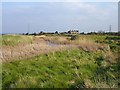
(59, 16)
(88, 9)
(80, 6)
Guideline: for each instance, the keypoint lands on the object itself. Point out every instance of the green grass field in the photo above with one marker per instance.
(74, 68)
(60, 69)
(12, 40)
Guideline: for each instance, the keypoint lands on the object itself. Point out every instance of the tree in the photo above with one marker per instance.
(56, 32)
(26, 33)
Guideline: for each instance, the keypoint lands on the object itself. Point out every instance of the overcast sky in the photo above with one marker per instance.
(59, 16)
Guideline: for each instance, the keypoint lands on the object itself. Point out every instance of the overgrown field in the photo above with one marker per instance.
(12, 40)
(93, 62)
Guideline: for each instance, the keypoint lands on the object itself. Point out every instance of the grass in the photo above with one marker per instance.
(91, 65)
(12, 40)
(55, 70)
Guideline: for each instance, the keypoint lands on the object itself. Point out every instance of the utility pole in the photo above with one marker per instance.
(28, 28)
(109, 28)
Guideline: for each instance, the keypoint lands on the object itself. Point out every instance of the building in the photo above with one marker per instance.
(73, 31)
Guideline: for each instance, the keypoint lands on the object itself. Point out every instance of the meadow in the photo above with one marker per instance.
(57, 61)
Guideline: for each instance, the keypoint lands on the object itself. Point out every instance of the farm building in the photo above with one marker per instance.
(73, 31)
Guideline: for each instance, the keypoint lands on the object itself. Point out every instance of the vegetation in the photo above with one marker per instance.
(91, 64)
(12, 40)
(61, 69)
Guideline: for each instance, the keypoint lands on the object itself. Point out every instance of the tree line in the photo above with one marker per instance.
(82, 33)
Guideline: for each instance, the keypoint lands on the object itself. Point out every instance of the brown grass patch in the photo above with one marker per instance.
(41, 46)
(38, 46)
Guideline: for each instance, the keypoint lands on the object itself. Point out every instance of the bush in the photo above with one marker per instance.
(74, 37)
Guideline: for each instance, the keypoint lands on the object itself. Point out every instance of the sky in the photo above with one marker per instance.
(22, 17)
(59, 0)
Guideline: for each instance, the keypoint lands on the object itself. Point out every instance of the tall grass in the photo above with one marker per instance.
(11, 40)
(66, 69)
(91, 63)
